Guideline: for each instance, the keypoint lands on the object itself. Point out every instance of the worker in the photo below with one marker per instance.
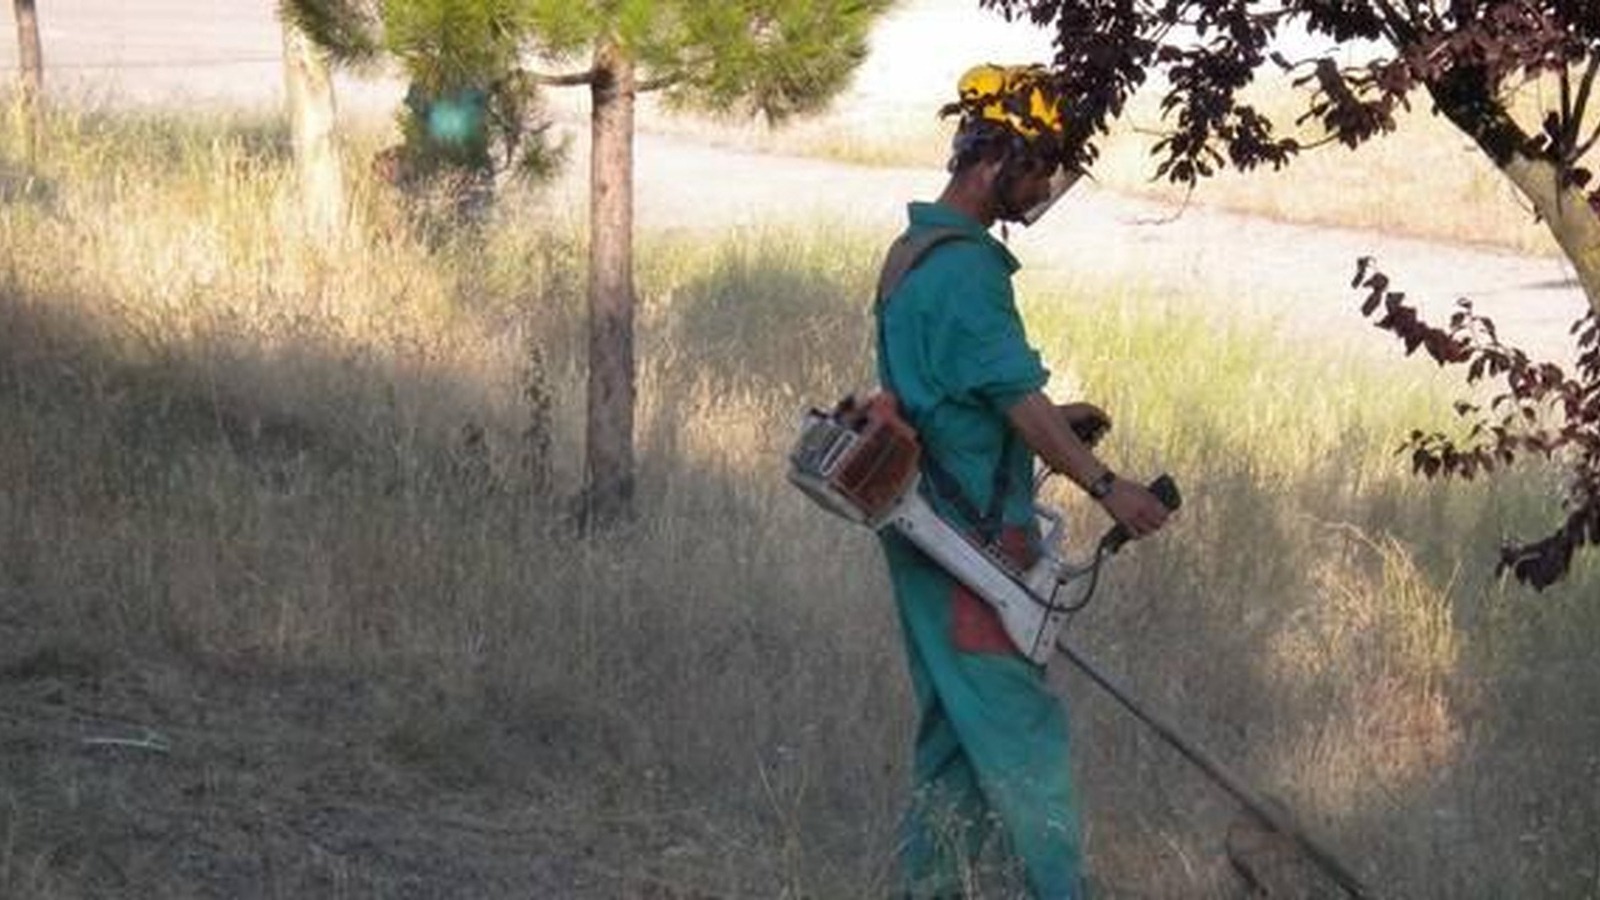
(992, 740)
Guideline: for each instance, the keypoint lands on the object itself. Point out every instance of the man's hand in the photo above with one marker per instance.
(1045, 428)
(1133, 506)
(1089, 422)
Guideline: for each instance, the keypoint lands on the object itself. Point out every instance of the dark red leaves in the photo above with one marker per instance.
(1541, 411)
(1466, 54)
(1378, 284)
(1402, 321)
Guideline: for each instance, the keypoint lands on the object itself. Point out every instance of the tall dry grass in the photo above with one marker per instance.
(232, 447)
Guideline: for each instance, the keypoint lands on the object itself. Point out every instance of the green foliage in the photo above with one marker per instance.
(778, 58)
(451, 45)
(775, 58)
(442, 45)
(469, 109)
(564, 28)
(343, 29)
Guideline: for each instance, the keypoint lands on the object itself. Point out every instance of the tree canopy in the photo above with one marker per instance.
(1465, 53)
(476, 66)
(776, 58)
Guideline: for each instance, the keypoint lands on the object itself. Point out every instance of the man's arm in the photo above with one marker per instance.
(1044, 428)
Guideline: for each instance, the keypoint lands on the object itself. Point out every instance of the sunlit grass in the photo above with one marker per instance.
(229, 443)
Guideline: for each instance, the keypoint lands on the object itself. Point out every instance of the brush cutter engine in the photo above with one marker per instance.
(861, 461)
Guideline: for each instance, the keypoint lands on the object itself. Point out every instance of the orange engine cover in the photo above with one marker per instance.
(881, 465)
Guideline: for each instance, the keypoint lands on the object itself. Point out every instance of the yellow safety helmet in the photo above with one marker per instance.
(1019, 99)
(1020, 106)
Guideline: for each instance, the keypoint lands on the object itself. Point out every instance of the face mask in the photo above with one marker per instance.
(1060, 183)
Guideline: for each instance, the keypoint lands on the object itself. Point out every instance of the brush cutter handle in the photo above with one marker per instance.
(1166, 490)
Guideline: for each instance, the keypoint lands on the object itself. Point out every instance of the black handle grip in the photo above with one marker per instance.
(1166, 490)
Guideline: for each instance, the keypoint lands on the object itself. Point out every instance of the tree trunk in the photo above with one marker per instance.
(1567, 213)
(1467, 101)
(309, 87)
(31, 62)
(608, 465)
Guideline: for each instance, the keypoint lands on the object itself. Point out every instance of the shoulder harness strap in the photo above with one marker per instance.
(904, 254)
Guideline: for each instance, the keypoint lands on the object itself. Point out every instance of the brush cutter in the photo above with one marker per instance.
(861, 461)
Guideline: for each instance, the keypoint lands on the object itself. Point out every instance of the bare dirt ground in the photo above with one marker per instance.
(121, 776)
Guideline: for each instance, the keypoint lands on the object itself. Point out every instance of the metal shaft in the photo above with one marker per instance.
(1275, 818)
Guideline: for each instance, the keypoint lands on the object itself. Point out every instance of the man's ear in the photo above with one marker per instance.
(988, 172)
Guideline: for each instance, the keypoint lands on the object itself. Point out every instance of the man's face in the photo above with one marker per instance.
(1036, 187)
(1032, 185)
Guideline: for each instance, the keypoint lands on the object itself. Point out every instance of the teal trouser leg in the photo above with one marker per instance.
(992, 740)
(948, 821)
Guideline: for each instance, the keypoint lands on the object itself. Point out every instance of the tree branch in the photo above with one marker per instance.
(1581, 104)
(656, 84)
(1414, 8)
(1320, 142)
(569, 79)
(1401, 31)
(1569, 130)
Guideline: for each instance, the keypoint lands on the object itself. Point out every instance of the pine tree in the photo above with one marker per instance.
(774, 58)
(470, 111)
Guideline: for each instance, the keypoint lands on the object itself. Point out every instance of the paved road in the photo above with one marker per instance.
(226, 51)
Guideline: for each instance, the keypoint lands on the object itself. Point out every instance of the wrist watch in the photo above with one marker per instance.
(1100, 488)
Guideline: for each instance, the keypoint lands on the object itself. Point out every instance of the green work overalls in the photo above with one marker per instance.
(992, 744)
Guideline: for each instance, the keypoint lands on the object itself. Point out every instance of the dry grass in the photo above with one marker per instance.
(233, 451)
